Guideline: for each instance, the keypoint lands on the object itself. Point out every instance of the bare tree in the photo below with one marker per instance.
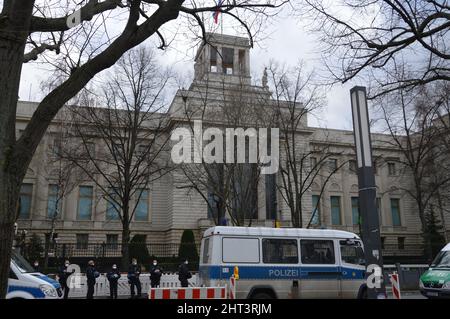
(33, 30)
(294, 96)
(62, 175)
(122, 145)
(371, 38)
(413, 121)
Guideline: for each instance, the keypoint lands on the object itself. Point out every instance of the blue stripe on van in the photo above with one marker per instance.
(51, 281)
(34, 291)
(282, 272)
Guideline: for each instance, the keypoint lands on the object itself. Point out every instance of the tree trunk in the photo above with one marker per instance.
(125, 246)
(12, 45)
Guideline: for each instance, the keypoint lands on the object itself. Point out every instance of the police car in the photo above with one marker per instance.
(25, 283)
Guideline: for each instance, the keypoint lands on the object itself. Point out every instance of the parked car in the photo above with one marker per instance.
(435, 282)
(25, 283)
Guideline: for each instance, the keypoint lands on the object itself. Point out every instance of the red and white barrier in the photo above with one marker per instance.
(232, 287)
(395, 286)
(188, 293)
(195, 292)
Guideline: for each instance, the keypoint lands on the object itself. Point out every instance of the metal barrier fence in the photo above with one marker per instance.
(123, 288)
(408, 275)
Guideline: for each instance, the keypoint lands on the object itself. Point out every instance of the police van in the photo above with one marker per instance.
(284, 262)
(25, 283)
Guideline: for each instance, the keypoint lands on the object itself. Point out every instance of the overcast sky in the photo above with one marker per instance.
(287, 41)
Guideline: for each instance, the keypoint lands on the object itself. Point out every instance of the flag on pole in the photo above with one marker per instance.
(217, 12)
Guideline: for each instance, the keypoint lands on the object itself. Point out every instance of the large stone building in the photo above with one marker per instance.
(168, 209)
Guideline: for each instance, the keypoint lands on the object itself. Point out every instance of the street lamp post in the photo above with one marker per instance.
(367, 194)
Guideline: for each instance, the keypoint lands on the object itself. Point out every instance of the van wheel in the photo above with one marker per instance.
(262, 295)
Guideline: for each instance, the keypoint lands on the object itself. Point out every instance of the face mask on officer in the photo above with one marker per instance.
(36, 264)
(114, 267)
(155, 263)
(67, 264)
(186, 262)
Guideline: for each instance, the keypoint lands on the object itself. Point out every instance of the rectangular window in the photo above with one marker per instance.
(242, 62)
(213, 59)
(248, 251)
(401, 243)
(335, 202)
(85, 203)
(383, 241)
(313, 162)
(395, 211)
(271, 197)
(227, 60)
(26, 195)
(391, 169)
(212, 205)
(352, 166)
(141, 213)
(53, 201)
(90, 149)
(380, 219)
(374, 167)
(56, 147)
(355, 211)
(315, 219)
(82, 241)
(112, 241)
(332, 164)
(112, 207)
(142, 149)
(280, 251)
(317, 251)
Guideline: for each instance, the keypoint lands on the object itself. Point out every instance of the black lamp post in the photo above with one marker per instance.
(367, 192)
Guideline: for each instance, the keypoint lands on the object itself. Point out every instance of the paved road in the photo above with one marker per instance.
(408, 295)
(405, 295)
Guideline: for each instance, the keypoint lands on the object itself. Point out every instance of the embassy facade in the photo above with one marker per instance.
(167, 207)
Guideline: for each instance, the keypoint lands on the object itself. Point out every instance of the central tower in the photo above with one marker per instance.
(223, 57)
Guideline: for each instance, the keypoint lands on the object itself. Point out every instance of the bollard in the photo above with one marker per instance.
(395, 285)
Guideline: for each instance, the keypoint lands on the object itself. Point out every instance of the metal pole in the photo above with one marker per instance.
(367, 194)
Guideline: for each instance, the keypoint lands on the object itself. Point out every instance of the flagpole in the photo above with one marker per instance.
(221, 24)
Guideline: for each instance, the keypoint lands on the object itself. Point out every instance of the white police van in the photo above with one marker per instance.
(284, 262)
(25, 283)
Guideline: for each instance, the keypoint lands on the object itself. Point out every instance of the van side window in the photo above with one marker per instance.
(352, 254)
(280, 251)
(206, 251)
(317, 251)
(240, 250)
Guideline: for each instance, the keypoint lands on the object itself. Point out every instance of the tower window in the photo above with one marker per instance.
(213, 59)
(242, 61)
(227, 60)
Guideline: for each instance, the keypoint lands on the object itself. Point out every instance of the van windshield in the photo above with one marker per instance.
(442, 260)
(21, 263)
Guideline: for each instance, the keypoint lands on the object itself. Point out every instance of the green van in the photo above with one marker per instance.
(435, 282)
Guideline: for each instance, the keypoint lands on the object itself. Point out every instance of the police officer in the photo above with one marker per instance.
(134, 272)
(184, 274)
(113, 277)
(91, 275)
(64, 275)
(155, 274)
